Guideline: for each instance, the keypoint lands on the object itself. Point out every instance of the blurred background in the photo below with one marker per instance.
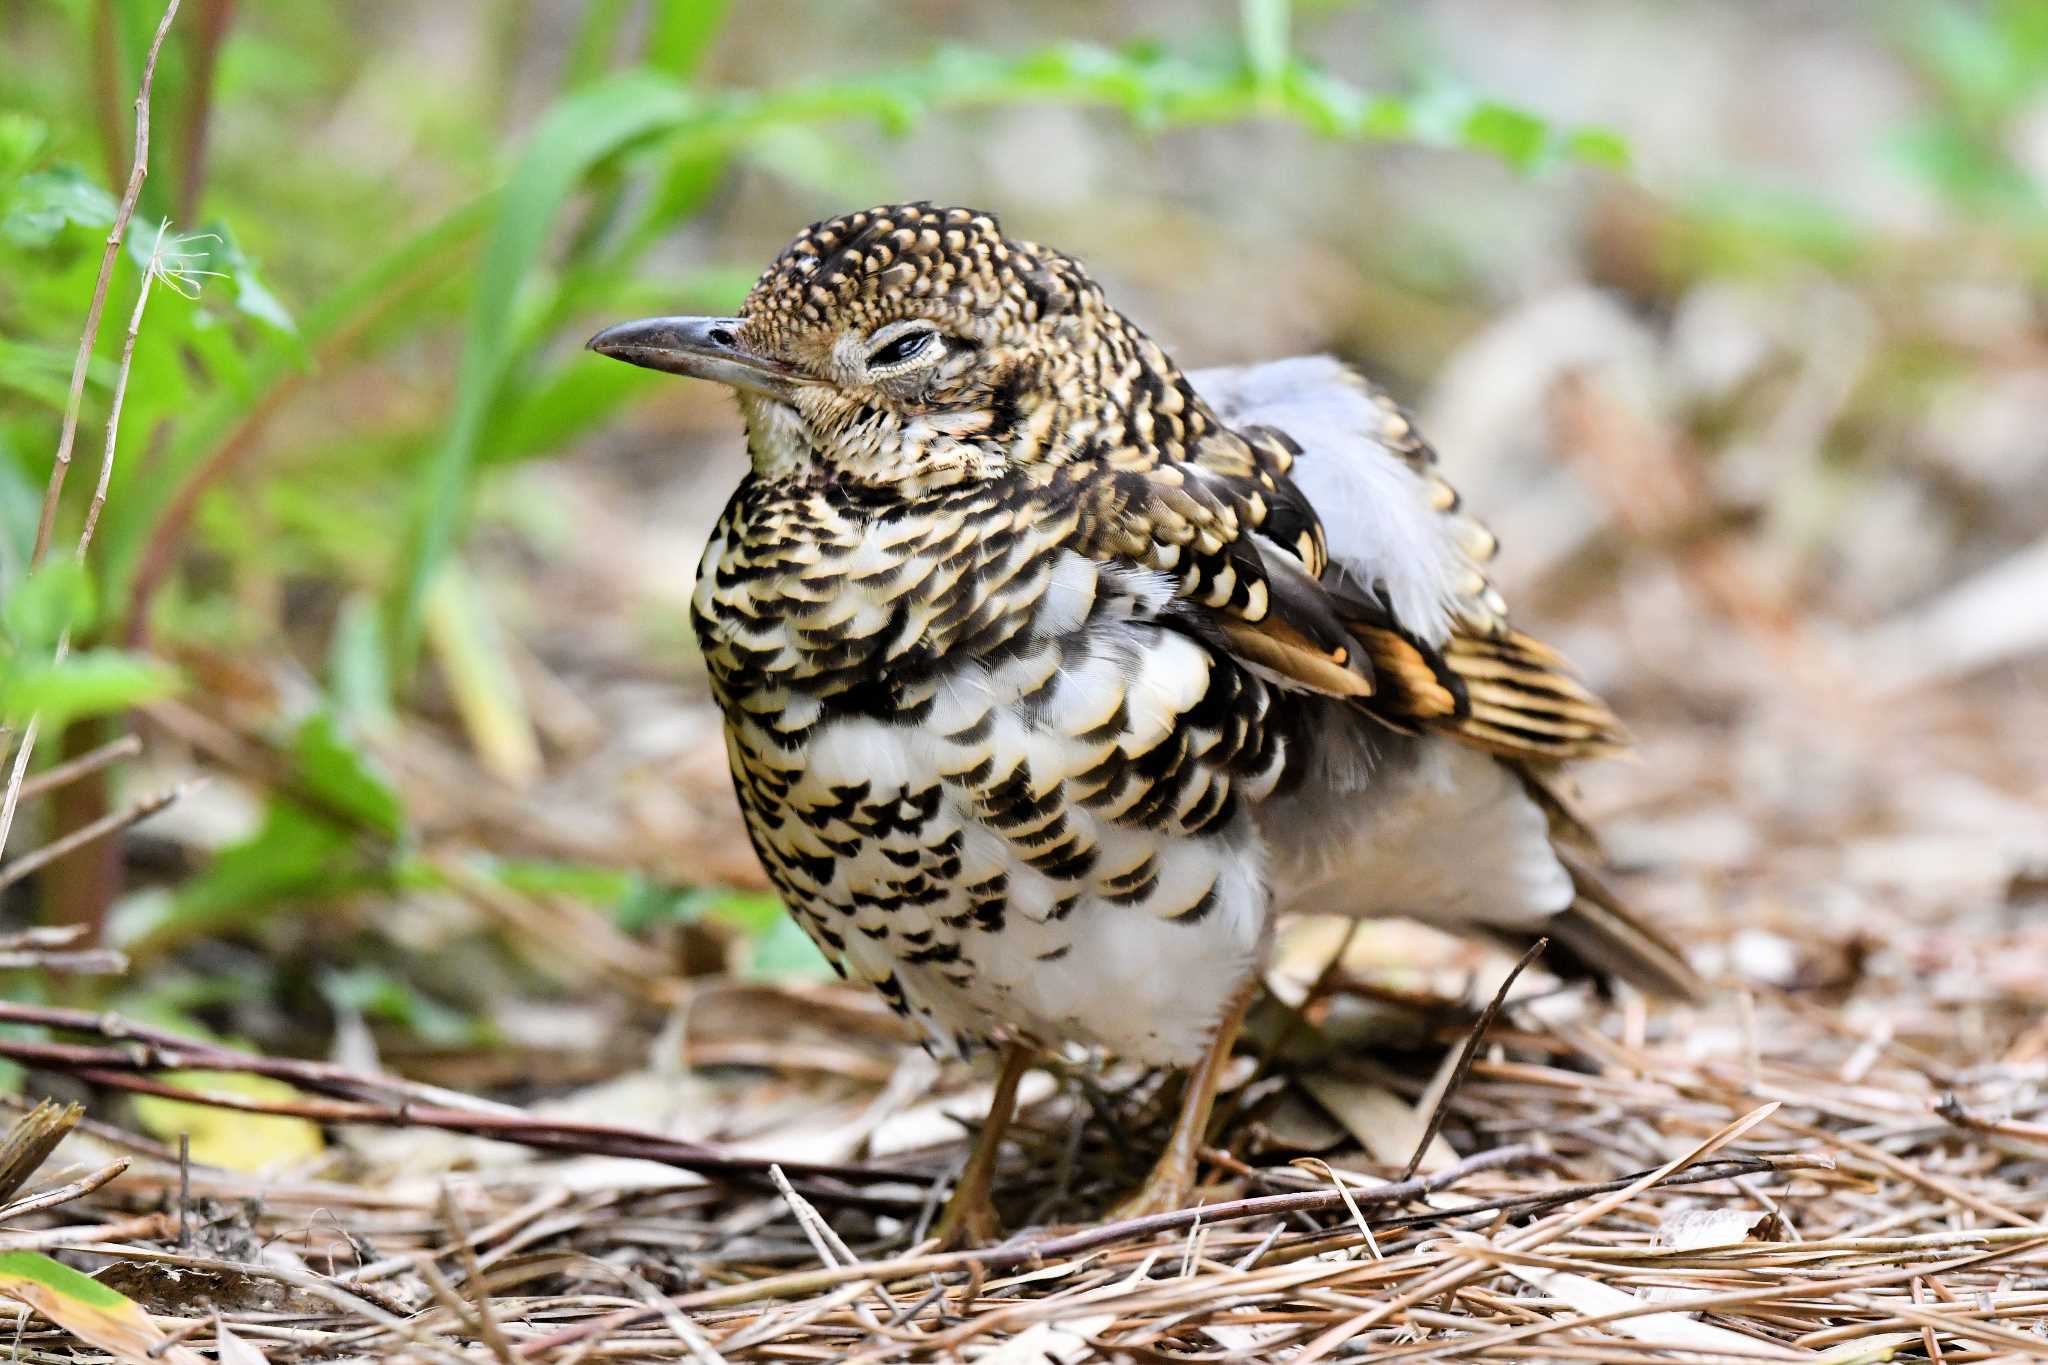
(1729, 318)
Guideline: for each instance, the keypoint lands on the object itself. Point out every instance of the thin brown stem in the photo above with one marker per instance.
(12, 872)
(71, 769)
(63, 1194)
(387, 1101)
(1466, 1056)
(68, 436)
(215, 17)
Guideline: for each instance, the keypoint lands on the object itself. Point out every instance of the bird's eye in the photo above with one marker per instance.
(899, 349)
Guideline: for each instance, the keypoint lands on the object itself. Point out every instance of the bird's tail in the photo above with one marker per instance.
(1598, 936)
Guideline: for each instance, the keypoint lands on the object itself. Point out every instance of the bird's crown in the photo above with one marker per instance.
(898, 257)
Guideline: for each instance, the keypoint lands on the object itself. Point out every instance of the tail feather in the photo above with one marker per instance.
(1525, 702)
(1599, 935)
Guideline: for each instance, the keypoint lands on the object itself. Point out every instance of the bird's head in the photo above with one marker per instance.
(910, 347)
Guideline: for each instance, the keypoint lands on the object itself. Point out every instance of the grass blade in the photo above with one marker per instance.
(579, 132)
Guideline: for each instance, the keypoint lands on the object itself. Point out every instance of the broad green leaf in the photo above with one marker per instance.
(43, 204)
(22, 137)
(91, 682)
(375, 993)
(56, 598)
(294, 853)
(232, 1138)
(42, 373)
(785, 950)
(252, 296)
(88, 1310)
(343, 778)
(189, 260)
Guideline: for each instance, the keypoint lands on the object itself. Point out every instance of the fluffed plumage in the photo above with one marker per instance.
(1052, 673)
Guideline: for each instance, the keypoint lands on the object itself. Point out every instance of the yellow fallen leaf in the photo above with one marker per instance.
(229, 1137)
(88, 1310)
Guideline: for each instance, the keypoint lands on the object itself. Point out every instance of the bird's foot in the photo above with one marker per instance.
(968, 1221)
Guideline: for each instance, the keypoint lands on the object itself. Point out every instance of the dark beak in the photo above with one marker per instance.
(702, 348)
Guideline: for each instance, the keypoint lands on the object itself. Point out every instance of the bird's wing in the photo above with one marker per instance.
(1405, 573)
(1244, 548)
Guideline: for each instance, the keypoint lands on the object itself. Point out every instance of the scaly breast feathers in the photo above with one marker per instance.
(1051, 841)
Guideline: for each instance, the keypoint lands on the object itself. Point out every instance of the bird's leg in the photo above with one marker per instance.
(1172, 1181)
(969, 1218)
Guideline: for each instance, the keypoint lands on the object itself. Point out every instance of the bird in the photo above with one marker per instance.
(1052, 673)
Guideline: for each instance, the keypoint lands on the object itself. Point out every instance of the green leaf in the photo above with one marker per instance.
(253, 298)
(753, 913)
(1598, 147)
(56, 599)
(785, 950)
(200, 433)
(1518, 138)
(293, 853)
(375, 993)
(538, 419)
(1963, 50)
(39, 1269)
(92, 682)
(43, 204)
(680, 32)
(22, 137)
(88, 1310)
(342, 777)
(357, 676)
(596, 38)
(599, 885)
(188, 259)
(41, 373)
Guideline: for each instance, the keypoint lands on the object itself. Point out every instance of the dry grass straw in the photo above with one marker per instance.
(1660, 1198)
